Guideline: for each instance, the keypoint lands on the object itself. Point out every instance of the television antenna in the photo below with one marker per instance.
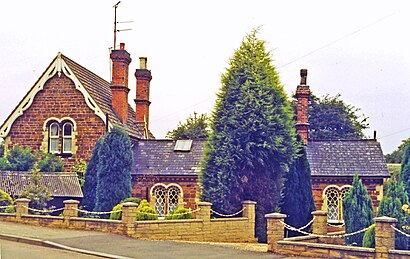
(115, 24)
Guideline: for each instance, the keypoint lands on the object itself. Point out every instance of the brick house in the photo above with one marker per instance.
(333, 163)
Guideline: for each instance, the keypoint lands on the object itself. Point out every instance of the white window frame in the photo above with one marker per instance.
(54, 139)
(67, 138)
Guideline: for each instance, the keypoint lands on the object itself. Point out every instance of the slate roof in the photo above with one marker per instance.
(100, 91)
(346, 157)
(59, 184)
(157, 157)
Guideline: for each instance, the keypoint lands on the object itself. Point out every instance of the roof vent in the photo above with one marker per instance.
(183, 145)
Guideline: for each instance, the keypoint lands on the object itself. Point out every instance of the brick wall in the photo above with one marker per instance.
(58, 99)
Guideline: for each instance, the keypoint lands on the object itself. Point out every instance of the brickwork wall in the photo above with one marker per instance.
(141, 186)
(59, 99)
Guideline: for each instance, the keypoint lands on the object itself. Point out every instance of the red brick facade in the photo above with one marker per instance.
(58, 99)
(142, 102)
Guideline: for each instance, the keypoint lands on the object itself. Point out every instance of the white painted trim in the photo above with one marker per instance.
(166, 187)
(58, 66)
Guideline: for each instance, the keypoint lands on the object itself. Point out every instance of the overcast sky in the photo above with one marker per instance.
(359, 49)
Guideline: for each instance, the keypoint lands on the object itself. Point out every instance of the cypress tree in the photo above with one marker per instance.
(405, 168)
(391, 206)
(90, 182)
(357, 211)
(252, 139)
(114, 170)
(298, 202)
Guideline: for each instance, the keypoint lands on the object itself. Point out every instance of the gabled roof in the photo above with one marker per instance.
(59, 184)
(346, 157)
(96, 92)
(157, 157)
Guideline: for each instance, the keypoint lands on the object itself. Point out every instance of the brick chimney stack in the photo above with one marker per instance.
(119, 84)
(143, 76)
(302, 96)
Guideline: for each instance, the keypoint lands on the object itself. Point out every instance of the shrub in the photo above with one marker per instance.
(132, 199)
(116, 215)
(80, 168)
(5, 200)
(18, 159)
(49, 163)
(369, 237)
(180, 213)
(36, 191)
(145, 212)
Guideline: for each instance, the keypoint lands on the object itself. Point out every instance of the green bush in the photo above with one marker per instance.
(145, 212)
(116, 215)
(132, 199)
(5, 200)
(369, 237)
(180, 213)
(20, 159)
(50, 163)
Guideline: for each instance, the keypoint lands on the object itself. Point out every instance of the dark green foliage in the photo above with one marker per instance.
(195, 127)
(180, 213)
(50, 163)
(405, 169)
(145, 212)
(36, 192)
(113, 170)
(298, 201)
(132, 199)
(369, 237)
(18, 159)
(5, 200)
(117, 215)
(357, 211)
(252, 139)
(80, 168)
(1, 149)
(396, 156)
(90, 178)
(391, 206)
(331, 118)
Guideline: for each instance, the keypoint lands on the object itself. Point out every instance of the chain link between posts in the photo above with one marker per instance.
(401, 232)
(8, 206)
(228, 215)
(43, 210)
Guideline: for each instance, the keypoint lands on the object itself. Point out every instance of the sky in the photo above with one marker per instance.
(359, 49)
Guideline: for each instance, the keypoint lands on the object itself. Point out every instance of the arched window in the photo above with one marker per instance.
(67, 137)
(166, 198)
(54, 138)
(333, 201)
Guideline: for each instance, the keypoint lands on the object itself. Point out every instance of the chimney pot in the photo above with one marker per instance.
(303, 76)
(122, 46)
(143, 63)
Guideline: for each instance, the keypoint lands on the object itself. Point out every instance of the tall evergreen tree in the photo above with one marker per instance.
(90, 182)
(113, 170)
(298, 202)
(357, 211)
(405, 168)
(252, 139)
(391, 206)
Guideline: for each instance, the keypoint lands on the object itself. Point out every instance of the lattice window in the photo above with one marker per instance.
(173, 196)
(332, 199)
(159, 193)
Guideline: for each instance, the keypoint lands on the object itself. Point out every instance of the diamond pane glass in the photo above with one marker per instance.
(159, 194)
(332, 198)
(173, 196)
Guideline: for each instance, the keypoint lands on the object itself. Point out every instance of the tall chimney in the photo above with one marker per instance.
(119, 84)
(143, 76)
(302, 96)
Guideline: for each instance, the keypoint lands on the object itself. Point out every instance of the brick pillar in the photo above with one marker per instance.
(142, 102)
(129, 212)
(302, 96)
(119, 84)
(384, 236)
(275, 230)
(21, 207)
(70, 209)
(320, 222)
(204, 211)
(249, 212)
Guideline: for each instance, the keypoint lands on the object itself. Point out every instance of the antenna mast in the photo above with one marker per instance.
(115, 23)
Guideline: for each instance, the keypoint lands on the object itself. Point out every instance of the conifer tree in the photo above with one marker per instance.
(391, 206)
(298, 202)
(405, 168)
(113, 170)
(252, 139)
(357, 211)
(90, 182)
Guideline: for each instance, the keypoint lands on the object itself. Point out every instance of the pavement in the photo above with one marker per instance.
(105, 245)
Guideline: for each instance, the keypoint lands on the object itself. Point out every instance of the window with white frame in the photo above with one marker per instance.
(60, 136)
(333, 202)
(166, 198)
(67, 137)
(54, 138)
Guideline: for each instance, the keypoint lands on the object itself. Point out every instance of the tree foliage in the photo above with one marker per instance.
(90, 178)
(396, 156)
(252, 139)
(113, 170)
(331, 118)
(391, 206)
(18, 159)
(195, 127)
(405, 168)
(36, 192)
(50, 163)
(5, 200)
(298, 202)
(357, 211)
